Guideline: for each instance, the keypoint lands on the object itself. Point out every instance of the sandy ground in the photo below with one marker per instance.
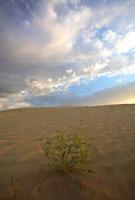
(111, 129)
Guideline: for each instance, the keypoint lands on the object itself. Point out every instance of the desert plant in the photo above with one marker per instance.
(68, 151)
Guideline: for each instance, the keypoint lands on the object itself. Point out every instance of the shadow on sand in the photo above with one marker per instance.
(54, 184)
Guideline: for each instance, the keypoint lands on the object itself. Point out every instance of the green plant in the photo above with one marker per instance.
(68, 151)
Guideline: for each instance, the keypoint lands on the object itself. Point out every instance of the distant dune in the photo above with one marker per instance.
(110, 128)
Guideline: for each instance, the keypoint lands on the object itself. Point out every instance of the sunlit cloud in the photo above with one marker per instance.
(126, 43)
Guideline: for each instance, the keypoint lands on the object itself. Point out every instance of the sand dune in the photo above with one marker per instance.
(110, 128)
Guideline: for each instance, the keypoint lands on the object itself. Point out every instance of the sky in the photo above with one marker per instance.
(66, 53)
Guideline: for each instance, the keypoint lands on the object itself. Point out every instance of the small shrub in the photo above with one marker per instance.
(68, 151)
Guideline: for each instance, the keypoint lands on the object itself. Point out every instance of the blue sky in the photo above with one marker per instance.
(66, 52)
(101, 83)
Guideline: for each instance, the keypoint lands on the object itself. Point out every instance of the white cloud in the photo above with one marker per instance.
(109, 36)
(106, 52)
(2, 103)
(51, 37)
(49, 80)
(60, 32)
(122, 81)
(16, 100)
(69, 71)
(126, 43)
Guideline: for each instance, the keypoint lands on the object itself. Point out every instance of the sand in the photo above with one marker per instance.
(110, 128)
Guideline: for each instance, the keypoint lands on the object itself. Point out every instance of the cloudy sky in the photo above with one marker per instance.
(66, 52)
